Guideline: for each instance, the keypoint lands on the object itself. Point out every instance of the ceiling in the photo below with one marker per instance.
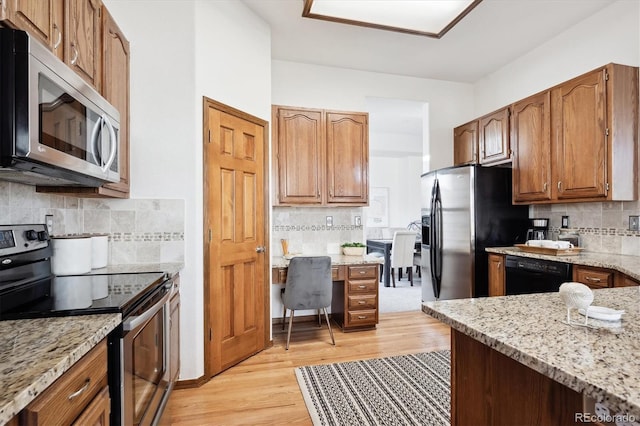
(494, 34)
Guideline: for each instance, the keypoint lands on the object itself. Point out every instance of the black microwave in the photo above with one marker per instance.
(55, 129)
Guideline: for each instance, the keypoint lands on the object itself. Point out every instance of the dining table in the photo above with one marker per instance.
(384, 246)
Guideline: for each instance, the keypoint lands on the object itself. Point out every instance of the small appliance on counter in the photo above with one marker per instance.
(538, 229)
(572, 238)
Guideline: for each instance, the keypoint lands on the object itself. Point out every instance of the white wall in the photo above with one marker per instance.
(314, 86)
(180, 51)
(612, 35)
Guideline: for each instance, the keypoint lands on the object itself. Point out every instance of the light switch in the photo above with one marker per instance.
(634, 223)
(358, 221)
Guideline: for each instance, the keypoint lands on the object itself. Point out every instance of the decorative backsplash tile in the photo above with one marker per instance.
(307, 232)
(602, 227)
(140, 231)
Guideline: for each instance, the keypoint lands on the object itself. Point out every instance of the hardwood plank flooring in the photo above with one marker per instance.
(263, 390)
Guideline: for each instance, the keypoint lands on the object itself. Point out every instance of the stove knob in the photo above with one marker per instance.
(43, 236)
(31, 235)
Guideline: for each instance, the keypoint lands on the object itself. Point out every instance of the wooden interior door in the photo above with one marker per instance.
(235, 220)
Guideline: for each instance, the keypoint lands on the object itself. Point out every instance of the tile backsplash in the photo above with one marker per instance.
(307, 231)
(603, 227)
(140, 231)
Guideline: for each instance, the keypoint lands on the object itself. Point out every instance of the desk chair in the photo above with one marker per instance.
(308, 286)
(402, 251)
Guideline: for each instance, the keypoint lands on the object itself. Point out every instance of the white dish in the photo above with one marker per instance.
(602, 313)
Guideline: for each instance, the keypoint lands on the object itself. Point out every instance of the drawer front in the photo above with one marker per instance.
(595, 278)
(364, 301)
(356, 318)
(279, 275)
(363, 271)
(68, 396)
(363, 286)
(335, 273)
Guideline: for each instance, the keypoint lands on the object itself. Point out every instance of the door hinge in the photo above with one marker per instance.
(210, 334)
(209, 137)
(210, 235)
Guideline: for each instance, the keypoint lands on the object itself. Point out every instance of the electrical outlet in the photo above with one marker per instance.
(565, 222)
(48, 220)
(634, 223)
(329, 221)
(358, 221)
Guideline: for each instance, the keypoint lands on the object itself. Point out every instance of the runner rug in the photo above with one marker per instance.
(398, 390)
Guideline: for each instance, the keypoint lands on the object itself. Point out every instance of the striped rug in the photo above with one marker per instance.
(398, 390)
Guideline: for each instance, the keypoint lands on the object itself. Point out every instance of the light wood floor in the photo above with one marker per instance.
(263, 389)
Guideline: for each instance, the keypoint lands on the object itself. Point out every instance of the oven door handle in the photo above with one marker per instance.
(136, 321)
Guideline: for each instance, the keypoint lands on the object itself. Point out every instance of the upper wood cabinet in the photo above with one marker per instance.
(321, 157)
(494, 138)
(82, 41)
(347, 138)
(592, 128)
(531, 144)
(465, 144)
(43, 19)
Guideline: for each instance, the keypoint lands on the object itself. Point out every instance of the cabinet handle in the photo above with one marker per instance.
(75, 54)
(559, 185)
(362, 317)
(499, 265)
(544, 187)
(361, 302)
(592, 279)
(79, 391)
(363, 272)
(362, 286)
(57, 43)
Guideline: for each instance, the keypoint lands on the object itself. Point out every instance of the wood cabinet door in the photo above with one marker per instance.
(580, 137)
(37, 17)
(97, 412)
(347, 140)
(496, 275)
(494, 138)
(115, 89)
(299, 155)
(465, 144)
(82, 39)
(531, 144)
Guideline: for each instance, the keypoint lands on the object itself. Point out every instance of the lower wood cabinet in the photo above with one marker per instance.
(79, 397)
(496, 275)
(354, 305)
(174, 336)
(593, 277)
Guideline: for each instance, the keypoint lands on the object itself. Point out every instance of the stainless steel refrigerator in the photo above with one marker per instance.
(465, 209)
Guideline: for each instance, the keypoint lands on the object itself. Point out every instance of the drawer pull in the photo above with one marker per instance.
(362, 286)
(362, 317)
(362, 302)
(79, 391)
(592, 279)
(363, 272)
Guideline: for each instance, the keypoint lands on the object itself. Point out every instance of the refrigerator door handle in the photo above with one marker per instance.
(432, 240)
(440, 236)
(436, 248)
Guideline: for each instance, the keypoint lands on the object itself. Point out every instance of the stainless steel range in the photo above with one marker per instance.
(139, 380)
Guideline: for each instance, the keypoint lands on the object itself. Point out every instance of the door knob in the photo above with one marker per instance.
(260, 249)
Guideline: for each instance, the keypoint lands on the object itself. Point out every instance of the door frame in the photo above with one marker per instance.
(207, 337)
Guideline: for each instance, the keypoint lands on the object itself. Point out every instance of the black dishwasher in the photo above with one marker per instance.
(527, 275)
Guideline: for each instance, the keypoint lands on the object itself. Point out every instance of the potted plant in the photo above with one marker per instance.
(353, 249)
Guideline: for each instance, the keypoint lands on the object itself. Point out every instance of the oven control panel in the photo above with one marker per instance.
(15, 239)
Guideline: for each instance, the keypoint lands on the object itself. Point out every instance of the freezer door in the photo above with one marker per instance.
(457, 233)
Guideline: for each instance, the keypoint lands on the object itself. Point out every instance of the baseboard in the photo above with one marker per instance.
(191, 383)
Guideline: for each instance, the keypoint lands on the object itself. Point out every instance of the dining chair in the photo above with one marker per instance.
(402, 252)
(308, 286)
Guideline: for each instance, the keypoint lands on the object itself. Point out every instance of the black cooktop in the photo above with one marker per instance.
(79, 295)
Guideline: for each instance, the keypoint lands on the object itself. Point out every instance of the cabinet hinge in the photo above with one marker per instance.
(606, 187)
(606, 76)
(606, 131)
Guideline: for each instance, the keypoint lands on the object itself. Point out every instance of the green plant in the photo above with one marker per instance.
(354, 244)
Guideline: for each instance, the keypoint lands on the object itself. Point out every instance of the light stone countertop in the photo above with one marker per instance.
(627, 264)
(601, 363)
(336, 259)
(35, 352)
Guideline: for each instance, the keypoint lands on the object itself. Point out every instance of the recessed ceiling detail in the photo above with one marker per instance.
(430, 18)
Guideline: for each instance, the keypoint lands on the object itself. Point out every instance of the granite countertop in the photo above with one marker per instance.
(336, 259)
(627, 264)
(35, 352)
(601, 362)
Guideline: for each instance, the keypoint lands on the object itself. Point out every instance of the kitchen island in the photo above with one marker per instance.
(515, 361)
